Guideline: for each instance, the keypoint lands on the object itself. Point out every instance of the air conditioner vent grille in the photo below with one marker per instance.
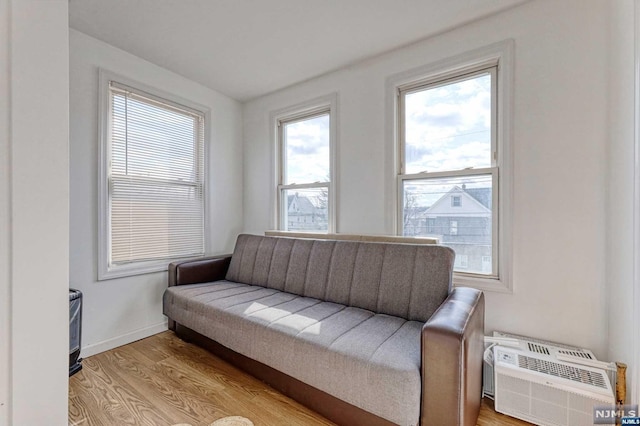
(532, 339)
(534, 347)
(575, 374)
(579, 354)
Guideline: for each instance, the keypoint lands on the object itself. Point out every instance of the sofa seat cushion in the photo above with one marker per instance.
(369, 360)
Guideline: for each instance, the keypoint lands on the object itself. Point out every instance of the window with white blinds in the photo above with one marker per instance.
(155, 181)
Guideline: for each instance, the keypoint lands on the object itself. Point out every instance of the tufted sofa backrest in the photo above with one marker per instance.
(404, 280)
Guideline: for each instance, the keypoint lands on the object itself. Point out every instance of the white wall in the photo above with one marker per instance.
(619, 277)
(119, 311)
(559, 146)
(5, 224)
(34, 212)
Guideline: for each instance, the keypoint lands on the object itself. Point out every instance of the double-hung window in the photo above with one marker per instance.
(305, 184)
(152, 183)
(452, 170)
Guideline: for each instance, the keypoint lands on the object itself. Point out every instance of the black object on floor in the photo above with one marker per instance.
(75, 331)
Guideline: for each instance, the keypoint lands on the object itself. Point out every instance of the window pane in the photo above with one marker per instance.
(306, 146)
(431, 209)
(306, 209)
(448, 127)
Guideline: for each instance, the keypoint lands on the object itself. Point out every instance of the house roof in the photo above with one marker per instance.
(481, 195)
(305, 206)
(479, 202)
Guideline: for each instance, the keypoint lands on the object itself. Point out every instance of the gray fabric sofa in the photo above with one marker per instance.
(364, 333)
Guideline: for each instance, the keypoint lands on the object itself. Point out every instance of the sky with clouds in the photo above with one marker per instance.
(449, 127)
(307, 148)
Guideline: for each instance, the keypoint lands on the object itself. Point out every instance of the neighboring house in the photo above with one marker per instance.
(306, 213)
(460, 219)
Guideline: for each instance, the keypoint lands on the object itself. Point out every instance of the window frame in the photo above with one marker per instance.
(299, 112)
(493, 170)
(106, 270)
(498, 55)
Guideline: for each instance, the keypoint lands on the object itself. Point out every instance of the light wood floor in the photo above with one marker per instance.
(162, 381)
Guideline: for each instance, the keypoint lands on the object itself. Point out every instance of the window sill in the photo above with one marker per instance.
(139, 268)
(353, 237)
(495, 285)
(131, 270)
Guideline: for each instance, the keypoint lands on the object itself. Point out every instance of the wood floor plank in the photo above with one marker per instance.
(171, 403)
(104, 392)
(141, 410)
(247, 393)
(162, 390)
(155, 352)
(163, 381)
(489, 416)
(223, 372)
(83, 412)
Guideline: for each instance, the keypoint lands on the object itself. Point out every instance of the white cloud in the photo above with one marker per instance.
(308, 150)
(449, 127)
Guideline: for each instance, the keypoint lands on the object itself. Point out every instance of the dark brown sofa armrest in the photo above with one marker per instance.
(200, 270)
(452, 351)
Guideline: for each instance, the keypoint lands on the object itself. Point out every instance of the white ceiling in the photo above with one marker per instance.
(247, 48)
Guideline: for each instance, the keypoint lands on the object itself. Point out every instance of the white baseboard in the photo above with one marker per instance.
(106, 345)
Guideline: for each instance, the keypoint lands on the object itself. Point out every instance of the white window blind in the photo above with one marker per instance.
(155, 178)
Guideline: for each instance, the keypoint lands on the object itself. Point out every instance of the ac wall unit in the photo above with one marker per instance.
(541, 390)
(531, 345)
(543, 347)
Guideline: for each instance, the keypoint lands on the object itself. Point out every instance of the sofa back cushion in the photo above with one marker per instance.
(404, 280)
